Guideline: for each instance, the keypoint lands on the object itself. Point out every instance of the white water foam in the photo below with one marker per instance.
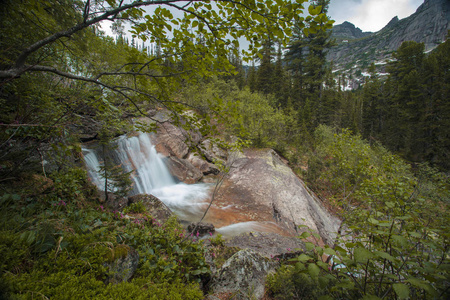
(150, 175)
(238, 228)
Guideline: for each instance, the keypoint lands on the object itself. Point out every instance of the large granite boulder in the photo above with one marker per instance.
(261, 183)
(175, 143)
(242, 276)
(202, 165)
(171, 140)
(183, 170)
(212, 151)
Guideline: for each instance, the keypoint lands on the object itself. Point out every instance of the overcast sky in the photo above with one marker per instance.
(371, 15)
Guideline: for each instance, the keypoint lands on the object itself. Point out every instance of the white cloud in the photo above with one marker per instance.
(371, 15)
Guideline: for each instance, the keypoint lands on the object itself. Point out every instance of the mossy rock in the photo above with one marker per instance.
(123, 263)
(155, 207)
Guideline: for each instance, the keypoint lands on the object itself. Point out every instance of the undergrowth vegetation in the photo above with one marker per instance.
(248, 115)
(59, 244)
(394, 239)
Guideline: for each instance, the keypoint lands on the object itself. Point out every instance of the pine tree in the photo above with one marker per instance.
(280, 81)
(265, 73)
(373, 106)
(404, 129)
(436, 121)
(251, 78)
(306, 58)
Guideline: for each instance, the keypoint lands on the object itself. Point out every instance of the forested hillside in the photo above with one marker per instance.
(377, 157)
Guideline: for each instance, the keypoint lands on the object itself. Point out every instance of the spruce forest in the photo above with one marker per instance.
(377, 157)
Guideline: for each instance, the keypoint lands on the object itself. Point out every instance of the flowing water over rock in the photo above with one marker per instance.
(261, 193)
(149, 174)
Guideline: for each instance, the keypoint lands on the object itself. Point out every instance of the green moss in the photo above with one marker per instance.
(137, 207)
(119, 251)
(80, 239)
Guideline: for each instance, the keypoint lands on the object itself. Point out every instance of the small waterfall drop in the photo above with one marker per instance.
(150, 175)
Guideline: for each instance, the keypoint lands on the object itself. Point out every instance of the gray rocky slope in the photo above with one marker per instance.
(428, 25)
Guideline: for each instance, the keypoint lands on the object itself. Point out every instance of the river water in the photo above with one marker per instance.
(150, 175)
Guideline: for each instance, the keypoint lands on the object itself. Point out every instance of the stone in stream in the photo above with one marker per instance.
(201, 228)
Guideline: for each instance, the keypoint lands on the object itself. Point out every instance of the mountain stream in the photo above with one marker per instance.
(150, 175)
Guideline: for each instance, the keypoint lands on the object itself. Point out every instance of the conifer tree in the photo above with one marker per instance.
(265, 73)
(404, 128)
(306, 58)
(280, 81)
(373, 105)
(251, 78)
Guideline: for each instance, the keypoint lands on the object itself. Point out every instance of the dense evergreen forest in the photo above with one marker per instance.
(378, 156)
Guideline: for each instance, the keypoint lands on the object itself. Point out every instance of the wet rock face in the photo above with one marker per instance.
(261, 183)
(212, 152)
(267, 244)
(243, 276)
(201, 228)
(171, 140)
(183, 170)
(202, 165)
(176, 143)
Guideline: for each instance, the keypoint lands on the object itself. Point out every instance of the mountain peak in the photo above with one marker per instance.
(348, 31)
(392, 22)
(429, 25)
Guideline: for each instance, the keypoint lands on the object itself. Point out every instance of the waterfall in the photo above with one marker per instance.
(150, 175)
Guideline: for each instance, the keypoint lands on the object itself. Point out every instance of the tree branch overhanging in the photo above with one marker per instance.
(19, 67)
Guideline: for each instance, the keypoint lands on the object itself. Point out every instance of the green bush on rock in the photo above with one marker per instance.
(394, 241)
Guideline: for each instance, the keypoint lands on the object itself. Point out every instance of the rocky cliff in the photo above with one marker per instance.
(347, 31)
(428, 25)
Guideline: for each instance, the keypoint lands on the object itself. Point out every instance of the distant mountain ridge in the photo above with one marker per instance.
(429, 24)
(348, 31)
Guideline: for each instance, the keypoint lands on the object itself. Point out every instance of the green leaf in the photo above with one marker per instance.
(303, 257)
(422, 285)
(401, 290)
(305, 235)
(313, 270)
(384, 255)
(196, 272)
(111, 2)
(329, 251)
(346, 285)
(400, 240)
(309, 246)
(415, 234)
(362, 255)
(373, 221)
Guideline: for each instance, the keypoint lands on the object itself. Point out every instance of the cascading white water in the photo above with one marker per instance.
(150, 175)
